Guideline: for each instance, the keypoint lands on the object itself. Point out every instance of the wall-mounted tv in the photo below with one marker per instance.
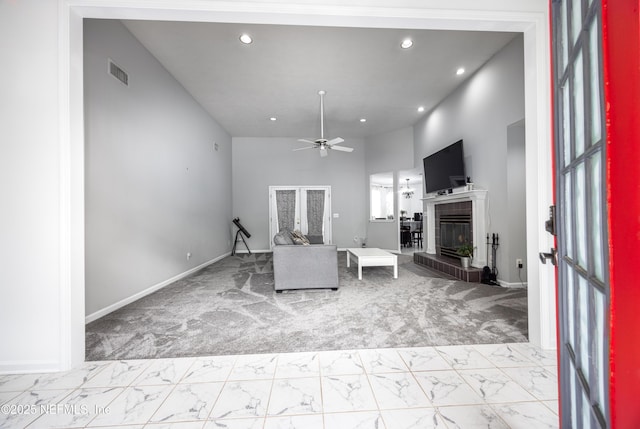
(445, 168)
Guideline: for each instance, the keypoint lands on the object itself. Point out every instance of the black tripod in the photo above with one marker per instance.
(240, 233)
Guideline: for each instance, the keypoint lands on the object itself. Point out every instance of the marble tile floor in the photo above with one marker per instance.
(480, 386)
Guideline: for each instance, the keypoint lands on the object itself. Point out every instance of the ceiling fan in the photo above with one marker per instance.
(323, 144)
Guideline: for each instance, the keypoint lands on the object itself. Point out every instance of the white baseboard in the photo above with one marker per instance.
(113, 307)
(28, 367)
(254, 251)
(515, 285)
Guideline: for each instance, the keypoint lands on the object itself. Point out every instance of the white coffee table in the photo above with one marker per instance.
(372, 257)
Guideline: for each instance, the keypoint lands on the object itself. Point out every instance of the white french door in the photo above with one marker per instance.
(303, 208)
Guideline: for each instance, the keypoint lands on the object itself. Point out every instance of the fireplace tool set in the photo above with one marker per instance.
(490, 275)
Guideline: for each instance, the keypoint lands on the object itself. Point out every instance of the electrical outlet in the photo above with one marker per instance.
(188, 255)
(519, 263)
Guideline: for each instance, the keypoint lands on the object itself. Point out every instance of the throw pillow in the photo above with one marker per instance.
(287, 236)
(299, 238)
(315, 239)
(279, 238)
(283, 237)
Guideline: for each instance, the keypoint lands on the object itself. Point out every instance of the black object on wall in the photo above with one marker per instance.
(444, 169)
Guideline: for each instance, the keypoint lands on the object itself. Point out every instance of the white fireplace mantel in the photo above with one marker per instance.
(478, 198)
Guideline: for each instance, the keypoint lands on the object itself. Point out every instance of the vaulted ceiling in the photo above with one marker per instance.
(365, 72)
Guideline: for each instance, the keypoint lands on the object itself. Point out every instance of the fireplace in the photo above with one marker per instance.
(464, 215)
(454, 227)
(450, 221)
(454, 232)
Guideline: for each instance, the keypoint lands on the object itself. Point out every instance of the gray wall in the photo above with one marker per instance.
(262, 162)
(480, 112)
(517, 243)
(155, 187)
(389, 152)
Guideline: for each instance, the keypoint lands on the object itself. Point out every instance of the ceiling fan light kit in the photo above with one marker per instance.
(323, 144)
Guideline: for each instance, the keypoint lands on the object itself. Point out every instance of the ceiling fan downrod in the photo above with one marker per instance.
(322, 143)
(321, 93)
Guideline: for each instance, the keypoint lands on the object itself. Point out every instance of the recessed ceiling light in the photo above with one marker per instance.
(406, 44)
(460, 71)
(273, 119)
(246, 39)
(421, 109)
(363, 120)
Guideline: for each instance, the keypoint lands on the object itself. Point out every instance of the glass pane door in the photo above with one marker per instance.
(315, 214)
(303, 208)
(287, 203)
(583, 290)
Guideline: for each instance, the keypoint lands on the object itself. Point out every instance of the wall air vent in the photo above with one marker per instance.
(117, 72)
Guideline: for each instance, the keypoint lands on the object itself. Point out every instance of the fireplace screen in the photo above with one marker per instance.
(453, 235)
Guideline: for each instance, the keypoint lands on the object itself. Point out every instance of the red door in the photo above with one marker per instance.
(596, 77)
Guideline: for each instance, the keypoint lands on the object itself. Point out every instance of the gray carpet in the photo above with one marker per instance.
(230, 307)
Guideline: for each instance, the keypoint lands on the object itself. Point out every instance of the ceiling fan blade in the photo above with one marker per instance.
(342, 148)
(304, 148)
(335, 141)
(324, 152)
(306, 141)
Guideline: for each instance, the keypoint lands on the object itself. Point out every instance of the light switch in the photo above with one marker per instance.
(336, 215)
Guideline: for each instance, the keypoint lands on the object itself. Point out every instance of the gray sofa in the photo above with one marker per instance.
(300, 266)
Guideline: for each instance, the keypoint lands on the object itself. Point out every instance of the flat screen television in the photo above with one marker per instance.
(445, 168)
